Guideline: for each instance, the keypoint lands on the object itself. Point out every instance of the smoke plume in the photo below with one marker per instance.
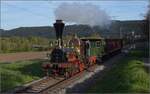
(82, 14)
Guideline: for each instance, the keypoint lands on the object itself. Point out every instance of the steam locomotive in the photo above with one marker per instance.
(80, 54)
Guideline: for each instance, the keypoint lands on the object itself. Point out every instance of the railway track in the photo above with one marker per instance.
(51, 85)
(58, 85)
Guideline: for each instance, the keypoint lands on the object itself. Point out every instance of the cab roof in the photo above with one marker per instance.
(91, 38)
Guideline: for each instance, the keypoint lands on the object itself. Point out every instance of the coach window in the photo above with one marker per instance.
(98, 44)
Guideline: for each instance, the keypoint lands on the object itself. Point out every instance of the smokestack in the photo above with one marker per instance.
(59, 26)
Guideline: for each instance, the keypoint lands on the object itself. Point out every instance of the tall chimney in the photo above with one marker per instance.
(59, 26)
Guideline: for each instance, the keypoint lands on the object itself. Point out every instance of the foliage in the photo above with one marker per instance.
(141, 50)
(18, 73)
(80, 30)
(95, 35)
(18, 44)
(129, 75)
(139, 54)
(147, 20)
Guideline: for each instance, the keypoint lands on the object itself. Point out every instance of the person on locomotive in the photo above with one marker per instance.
(87, 48)
(75, 43)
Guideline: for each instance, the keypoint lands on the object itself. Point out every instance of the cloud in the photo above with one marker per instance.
(82, 14)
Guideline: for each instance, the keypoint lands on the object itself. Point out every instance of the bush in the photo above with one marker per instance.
(19, 44)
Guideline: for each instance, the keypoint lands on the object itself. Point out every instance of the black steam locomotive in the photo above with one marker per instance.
(80, 53)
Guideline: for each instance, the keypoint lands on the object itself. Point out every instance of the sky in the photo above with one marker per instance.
(17, 13)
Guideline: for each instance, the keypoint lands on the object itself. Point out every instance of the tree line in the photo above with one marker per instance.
(81, 30)
(20, 44)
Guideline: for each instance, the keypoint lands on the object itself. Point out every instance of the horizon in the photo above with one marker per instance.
(65, 25)
(43, 15)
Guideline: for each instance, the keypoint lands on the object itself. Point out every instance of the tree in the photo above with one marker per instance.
(95, 35)
(146, 24)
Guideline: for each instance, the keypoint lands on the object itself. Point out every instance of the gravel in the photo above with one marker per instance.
(91, 78)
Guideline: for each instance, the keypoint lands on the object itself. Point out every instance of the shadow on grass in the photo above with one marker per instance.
(34, 69)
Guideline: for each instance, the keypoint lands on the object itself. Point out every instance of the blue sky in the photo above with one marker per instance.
(16, 14)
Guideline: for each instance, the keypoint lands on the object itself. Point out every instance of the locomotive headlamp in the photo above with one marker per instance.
(59, 26)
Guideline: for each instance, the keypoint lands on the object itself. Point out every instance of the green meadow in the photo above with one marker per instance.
(18, 73)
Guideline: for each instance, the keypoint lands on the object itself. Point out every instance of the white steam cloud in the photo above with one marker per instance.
(82, 14)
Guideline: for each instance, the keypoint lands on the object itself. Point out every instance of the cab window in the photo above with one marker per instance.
(98, 44)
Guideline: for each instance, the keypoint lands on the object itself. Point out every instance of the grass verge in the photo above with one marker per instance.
(128, 76)
(18, 73)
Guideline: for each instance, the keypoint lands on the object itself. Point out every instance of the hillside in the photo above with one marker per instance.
(80, 30)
